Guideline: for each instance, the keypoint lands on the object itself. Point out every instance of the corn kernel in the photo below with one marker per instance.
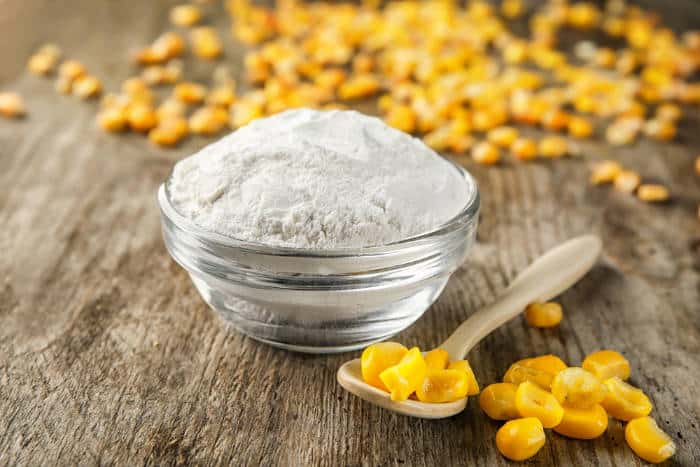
(141, 117)
(652, 193)
(245, 111)
(555, 120)
(190, 93)
(498, 401)
(170, 108)
(533, 401)
(518, 373)
(206, 42)
(605, 364)
(697, 165)
(72, 70)
(86, 87)
(627, 181)
(553, 147)
(623, 401)
(543, 315)
(403, 378)
(165, 47)
(42, 63)
(442, 386)
(662, 130)
(362, 63)
(547, 363)
(437, 359)
(520, 439)
(185, 15)
(605, 172)
(511, 8)
(648, 441)
(503, 136)
(460, 144)
(11, 105)
(465, 367)
(63, 85)
(583, 15)
(576, 387)
(580, 127)
(377, 358)
(668, 111)
(402, 117)
(587, 423)
(524, 149)
(112, 119)
(486, 153)
(208, 120)
(331, 78)
(358, 86)
(222, 96)
(169, 131)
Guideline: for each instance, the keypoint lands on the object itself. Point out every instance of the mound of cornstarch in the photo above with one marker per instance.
(311, 179)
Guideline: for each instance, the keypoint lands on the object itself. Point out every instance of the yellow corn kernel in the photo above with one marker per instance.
(330, 78)
(515, 52)
(668, 111)
(403, 378)
(648, 441)
(112, 119)
(543, 315)
(503, 136)
(402, 117)
(190, 93)
(208, 120)
(222, 96)
(170, 107)
(185, 15)
(86, 87)
(583, 15)
(553, 147)
(652, 193)
(41, 63)
(620, 135)
(141, 117)
(498, 401)
(583, 423)
(486, 153)
(358, 86)
(134, 86)
(465, 367)
(206, 42)
(519, 373)
(377, 358)
(460, 143)
(63, 85)
(605, 364)
(627, 181)
(11, 104)
(580, 127)
(244, 112)
(576, 387)
(605, 57)
(548, 363)
(623, 401)
(520, 439)
(362, 63)
(511, 8)
(697, 165)
(71, 70)
(533, 401)
(168, 45)
(437, 359)
(169, 131)
(524, 149)
(662, 130)
(159, 74)
(442, 386)
(555, 120)
(605, 172)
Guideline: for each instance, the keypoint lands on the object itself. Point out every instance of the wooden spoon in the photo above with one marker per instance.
(547, 277)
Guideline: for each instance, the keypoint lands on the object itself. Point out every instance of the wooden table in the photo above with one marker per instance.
(109, 356)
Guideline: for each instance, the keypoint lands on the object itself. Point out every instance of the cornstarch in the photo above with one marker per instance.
(312, 179)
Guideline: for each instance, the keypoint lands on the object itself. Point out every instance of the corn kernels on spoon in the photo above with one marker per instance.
(548, 276)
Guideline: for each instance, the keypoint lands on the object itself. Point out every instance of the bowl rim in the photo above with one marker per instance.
(468, 214)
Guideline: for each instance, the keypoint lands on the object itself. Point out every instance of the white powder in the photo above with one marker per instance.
(312, 179)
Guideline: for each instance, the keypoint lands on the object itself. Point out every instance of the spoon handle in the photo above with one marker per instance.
(548, 276)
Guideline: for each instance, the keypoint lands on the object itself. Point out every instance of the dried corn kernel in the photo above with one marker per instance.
(185, 15)
(362, 63)
(605, 172)
(437, 359)
(377, 358)
(112, 119)
(553, 147)
(165, 47)
(520, 439)
(605, 364)
(42, 63)
(518, 373)
(442, 386)
(543, 315)
(548, 363)
(511, 8)
(498, 401)
(63, 85)
(627, 181)
(555, 120)
(662, 130)
(623, 401)
(86, 87)
(11, 104)
(169, 131)
(206, 42)
(222, 96)
(331, 78)
(72, 70)
(190, 93)
(576, 387)
(245, 111)
(465, 367)
(652, 193)
(620, 135)
(170, 108)
(208, 120)
(524, 149)
(648, 441)
(358, 86)
(486, 153)
(668, 111)
(503, 136)
(587, 423)
(141, 117)
(158, 74)
(403, 378)
(533, 401)
(580, 127)
(402, 117)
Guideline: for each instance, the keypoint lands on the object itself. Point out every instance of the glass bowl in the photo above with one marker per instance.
(319, 300)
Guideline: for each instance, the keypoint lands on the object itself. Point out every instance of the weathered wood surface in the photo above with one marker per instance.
(109, 356)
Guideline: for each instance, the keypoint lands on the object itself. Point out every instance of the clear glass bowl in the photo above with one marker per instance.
(320, 301)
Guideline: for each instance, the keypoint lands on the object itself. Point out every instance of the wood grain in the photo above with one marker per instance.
(109, 356)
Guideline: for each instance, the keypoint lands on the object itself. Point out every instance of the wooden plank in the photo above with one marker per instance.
(108, 355)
